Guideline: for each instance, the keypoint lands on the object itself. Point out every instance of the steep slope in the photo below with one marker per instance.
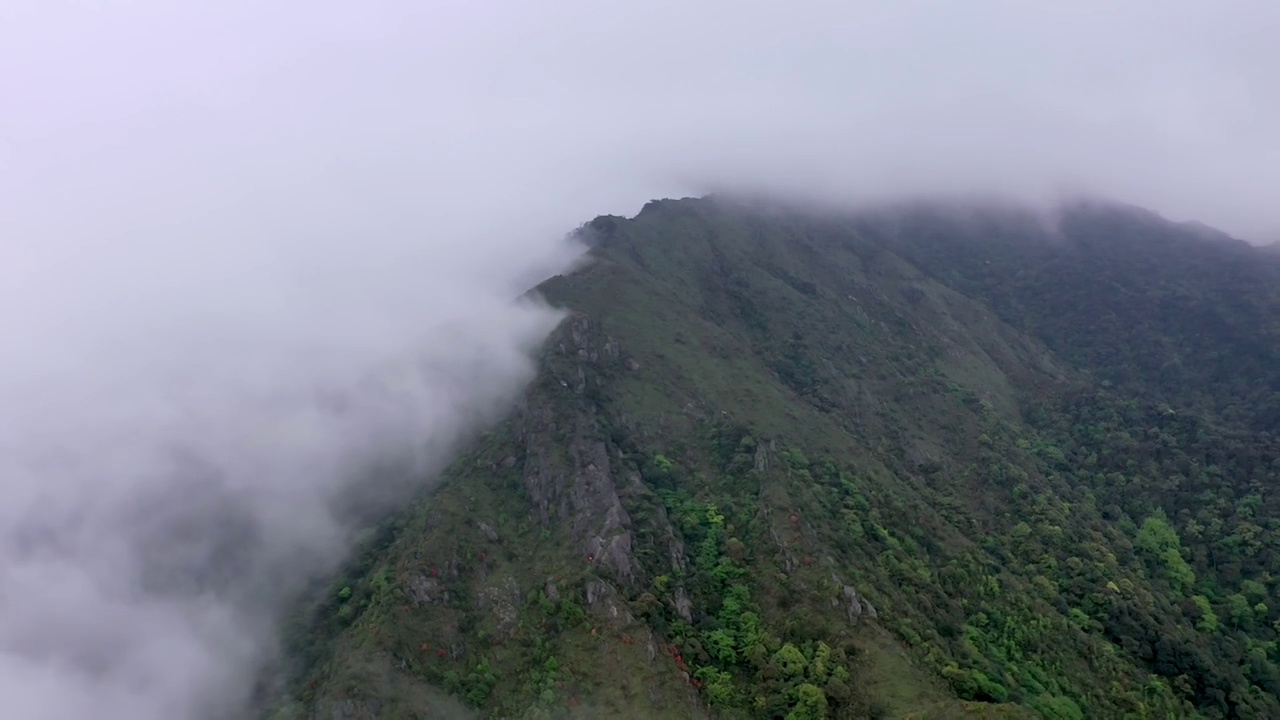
(780, 464)
(1165, 309)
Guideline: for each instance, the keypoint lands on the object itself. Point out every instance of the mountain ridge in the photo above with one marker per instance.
(854, 431)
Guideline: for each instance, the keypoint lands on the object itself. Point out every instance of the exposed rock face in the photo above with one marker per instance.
(489, 532)
(425, 590)
(869, 609)
(761, 460)
(855, 604)
(604, 602)
(684, 606)
(567, 469)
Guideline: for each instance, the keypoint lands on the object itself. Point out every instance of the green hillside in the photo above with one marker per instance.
(911, 463)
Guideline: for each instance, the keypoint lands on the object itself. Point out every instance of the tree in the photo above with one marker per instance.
(789, 660)
(811, 703)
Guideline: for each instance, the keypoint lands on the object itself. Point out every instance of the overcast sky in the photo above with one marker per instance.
(575, 107)
(220, 221)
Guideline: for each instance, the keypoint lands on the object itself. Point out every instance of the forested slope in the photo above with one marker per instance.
(906, 463)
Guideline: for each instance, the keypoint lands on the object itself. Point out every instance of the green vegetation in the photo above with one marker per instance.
(909, 464)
